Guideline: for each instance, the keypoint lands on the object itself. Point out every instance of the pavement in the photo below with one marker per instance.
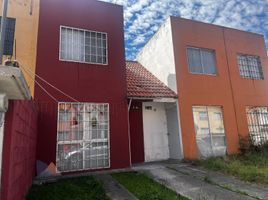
(196, 183)
(113, 189)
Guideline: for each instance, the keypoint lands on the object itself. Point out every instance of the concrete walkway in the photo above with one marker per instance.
(196, 183)
(113, 189)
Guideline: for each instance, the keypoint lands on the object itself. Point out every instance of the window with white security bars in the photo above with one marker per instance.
(258, 124)
(83, 136)
(250, 66)
(83, 46)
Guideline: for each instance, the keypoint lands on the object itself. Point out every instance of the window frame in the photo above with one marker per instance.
(201, 57)
(260, 69)
(83, 62)
(83, 141)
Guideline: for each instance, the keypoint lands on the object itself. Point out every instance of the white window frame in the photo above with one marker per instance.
(84, 30)
(202, 64)
(2, 123)
(211, 134)
(83, 141)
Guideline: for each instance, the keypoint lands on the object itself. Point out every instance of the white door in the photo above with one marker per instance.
(155, 132)
(173, 131)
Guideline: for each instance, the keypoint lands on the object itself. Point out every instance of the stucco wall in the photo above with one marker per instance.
(158, 56)
(155, 131)
(20, 137)
(26, 13)
(227, 88)
(90, 83)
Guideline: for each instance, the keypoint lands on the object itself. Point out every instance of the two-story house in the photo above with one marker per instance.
(221, 78)
(83, 123)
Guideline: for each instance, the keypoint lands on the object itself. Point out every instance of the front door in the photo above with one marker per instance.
(136, 132)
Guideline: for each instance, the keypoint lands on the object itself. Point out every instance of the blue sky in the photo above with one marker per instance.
(143, 17)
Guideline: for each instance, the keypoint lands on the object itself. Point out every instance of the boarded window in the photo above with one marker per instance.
(9, 35)
(201, 61)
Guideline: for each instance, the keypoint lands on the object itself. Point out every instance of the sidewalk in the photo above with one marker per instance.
(195, 183)
(113, 189)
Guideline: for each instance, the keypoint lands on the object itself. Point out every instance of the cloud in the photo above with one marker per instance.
(144, 17)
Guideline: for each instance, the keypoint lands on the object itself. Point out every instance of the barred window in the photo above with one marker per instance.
(250, 66)
(258, 124)
(83, 136)
(84, 46)
(201, 61)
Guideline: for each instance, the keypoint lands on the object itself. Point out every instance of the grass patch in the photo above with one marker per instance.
(251, 167)
(83, 188)
(144, 188)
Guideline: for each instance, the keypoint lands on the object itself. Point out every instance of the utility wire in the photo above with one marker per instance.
(54, 87)
(50, 95)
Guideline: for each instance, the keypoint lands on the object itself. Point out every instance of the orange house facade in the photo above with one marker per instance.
(221, 78)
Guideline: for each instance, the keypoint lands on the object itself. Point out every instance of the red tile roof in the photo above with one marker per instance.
(143, 84)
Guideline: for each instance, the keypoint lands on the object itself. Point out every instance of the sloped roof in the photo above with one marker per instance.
(143, 84)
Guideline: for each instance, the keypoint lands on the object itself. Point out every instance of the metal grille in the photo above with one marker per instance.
(258, 124)
(250, 66)
(83, 136)
(84, 46)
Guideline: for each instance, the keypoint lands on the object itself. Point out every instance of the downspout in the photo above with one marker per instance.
(129, 139)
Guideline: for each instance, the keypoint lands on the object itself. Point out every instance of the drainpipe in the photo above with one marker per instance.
(129, 139)
(3, 110)
(3, 28)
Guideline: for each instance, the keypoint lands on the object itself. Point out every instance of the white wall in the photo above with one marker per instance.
(156, 145)
(158, 56)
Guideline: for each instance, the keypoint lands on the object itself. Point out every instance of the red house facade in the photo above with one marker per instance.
(83, 120)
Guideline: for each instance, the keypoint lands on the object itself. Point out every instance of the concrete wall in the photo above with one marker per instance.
(26, 13)
(158, 56)
(20, 136)
(156, 146)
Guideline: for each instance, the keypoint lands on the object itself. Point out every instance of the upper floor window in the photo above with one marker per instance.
(250, 66)
(201, 61)
(83, 46)
(9, 35)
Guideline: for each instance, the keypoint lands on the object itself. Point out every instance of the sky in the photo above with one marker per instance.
(142, 18)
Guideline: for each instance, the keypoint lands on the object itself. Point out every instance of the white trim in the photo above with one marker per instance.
(180, 129)
(84, 62)
(85, 141)
(2, 123)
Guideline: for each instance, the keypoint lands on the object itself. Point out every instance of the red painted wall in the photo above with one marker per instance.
(84, 82)
(136, 132)
(20, 135)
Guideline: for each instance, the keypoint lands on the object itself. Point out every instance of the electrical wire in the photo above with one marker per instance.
(54, 87)
(50, 95)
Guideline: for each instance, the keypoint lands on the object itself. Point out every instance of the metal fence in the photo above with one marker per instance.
(258, 125)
